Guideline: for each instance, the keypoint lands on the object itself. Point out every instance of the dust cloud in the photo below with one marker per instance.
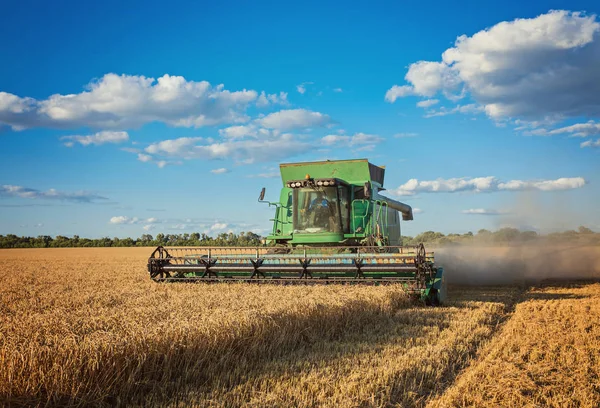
(526, 262)
(523, 264)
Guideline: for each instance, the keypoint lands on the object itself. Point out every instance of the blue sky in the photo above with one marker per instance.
(119, 120)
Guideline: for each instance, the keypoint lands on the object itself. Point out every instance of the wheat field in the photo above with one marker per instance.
(81, 327)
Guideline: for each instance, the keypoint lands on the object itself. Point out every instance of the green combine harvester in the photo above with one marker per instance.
(331, 226)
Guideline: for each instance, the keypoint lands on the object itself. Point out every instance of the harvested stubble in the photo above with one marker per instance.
(547, 355)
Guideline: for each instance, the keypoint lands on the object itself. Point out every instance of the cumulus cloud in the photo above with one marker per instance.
(97, 138)
(294, 119)
(482, 211)
(427, 103)
(8, 190)
(245, 131)
(125, 101)
(218, 226)
(526, 68)
(591, 143)
(486, 184)
(355, 140)
(396, 92)
(146, 158)
(239, 132)
(338, 90)
(172, 146)
(417, 211)
(268, 99)
(221, 170)
(121, 219)
(246, 151)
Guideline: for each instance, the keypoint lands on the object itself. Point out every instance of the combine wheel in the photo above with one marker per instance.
(158, 258)
(156, 273)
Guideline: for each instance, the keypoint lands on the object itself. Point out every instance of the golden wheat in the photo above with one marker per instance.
(88, 327)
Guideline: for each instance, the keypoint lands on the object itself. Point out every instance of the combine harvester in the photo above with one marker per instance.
(331, 225)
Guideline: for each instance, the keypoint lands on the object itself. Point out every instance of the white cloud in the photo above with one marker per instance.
(417, 211)
(427, 103)
(97, 138)
(590, 128)
(396, 92)
(486, 184)
(533, 68)
(152, 220)
(144, 158)
(125, 101)
(294, 119)
(562, 183)
(121, 219)
(246, 151)
(354, 140)
(471, 108)
(172, 146)
(302, 87)
(239, 132)
(148, 227)
(221, 170)
(338, 90)
(267, 99)
(218, 226)
(591, 143)
(482, 211)
(8, 190)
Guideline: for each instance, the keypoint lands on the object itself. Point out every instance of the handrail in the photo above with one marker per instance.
(363, 217)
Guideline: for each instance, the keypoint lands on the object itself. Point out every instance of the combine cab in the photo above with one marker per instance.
(331, 225)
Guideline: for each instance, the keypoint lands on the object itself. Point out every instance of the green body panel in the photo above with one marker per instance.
(351, 171)
(332, 238)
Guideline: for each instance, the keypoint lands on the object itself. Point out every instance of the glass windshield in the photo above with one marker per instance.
(316, 210)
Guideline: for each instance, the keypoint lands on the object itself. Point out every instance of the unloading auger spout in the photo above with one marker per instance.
(405, 209)
(331, 225)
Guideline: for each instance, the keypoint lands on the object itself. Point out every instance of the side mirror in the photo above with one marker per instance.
(262, 194)
(367, 190)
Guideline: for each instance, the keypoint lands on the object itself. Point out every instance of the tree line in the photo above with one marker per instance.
(504, 236)
(483, 236)
(193, 239)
